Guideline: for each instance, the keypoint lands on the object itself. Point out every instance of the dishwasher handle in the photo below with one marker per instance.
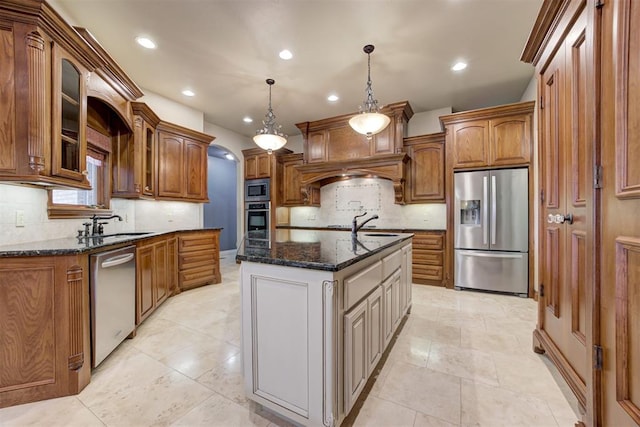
(116, 260)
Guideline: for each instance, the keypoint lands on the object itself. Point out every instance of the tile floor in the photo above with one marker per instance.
(462, 359)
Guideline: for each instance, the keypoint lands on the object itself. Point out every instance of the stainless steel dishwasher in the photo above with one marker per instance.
(113, 300)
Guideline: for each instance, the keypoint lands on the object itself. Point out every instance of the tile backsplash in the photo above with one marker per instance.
(341, 201)
(141, 215)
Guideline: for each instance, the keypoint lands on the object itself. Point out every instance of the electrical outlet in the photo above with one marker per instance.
(19, 218)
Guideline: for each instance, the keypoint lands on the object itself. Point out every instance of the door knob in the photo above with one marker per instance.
(561, 219)
(551, 218)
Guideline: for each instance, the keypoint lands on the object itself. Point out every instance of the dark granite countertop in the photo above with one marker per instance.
(326, 250)
(74, 245)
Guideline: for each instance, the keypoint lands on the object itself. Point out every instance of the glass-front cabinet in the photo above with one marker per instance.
(69, 118)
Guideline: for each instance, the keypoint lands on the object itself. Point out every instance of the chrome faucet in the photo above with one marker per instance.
(97, 228)
(354, 224)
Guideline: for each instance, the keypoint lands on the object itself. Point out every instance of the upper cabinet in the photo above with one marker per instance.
(182, 163)
(424, 174)
(333, 140)
(257, 163)
(499, 136)
(291, 191)
(69, 118)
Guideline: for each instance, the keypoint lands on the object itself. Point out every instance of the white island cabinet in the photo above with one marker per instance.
(319, 308)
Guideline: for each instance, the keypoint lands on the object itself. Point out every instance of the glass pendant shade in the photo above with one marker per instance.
(370, 120)
(269, 141)
(269, 137)
(369, 123)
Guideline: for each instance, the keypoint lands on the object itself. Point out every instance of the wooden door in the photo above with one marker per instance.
(144, 282)
(470, 144)
(566, 257)
(161, 272)
(170, 166)
(620, 144)
(426, 173)
(510, 140)
(195, 156)
(290, 190)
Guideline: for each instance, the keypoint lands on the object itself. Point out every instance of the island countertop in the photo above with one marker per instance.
(319, 249)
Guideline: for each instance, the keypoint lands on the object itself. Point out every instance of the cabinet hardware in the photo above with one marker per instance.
(597, 357)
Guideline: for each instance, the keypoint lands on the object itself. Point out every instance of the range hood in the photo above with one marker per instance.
(385, 166)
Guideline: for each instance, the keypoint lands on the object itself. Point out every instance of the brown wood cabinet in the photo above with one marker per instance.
(290, 191)
(425, 170)
(181, 163)
(155, 273)
(44, 313)
(497, 136)
(429, 258)
(257, 163)
(333, 140)
(198, 258)
(134, 159)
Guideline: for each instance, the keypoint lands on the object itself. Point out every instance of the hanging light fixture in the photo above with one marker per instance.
(369, 120)
(269, 137)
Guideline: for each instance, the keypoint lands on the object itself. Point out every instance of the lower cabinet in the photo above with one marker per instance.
(199, 258)
(356, 339)
(428, 258)
(155, 274)
(45, 349)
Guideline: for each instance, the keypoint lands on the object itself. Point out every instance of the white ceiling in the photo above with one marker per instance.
(225, 49)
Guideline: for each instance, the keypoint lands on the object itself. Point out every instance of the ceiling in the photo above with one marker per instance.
(223, 50)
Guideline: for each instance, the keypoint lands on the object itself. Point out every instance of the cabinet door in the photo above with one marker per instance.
(387, 316)
(510, 140)
(376, 340)
(356, 368)
(291, 194)
(172, 265)
(69, 118)
(383, 142)
(470, 144)
(145, 260)
(170, 165)
(148, 160)
(195, 155)
(317, 147)
(426, 173)
(250, 167)
(161, 279)
(395, 300)
(264, 165)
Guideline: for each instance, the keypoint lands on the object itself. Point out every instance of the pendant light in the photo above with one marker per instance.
(269, 137)
(369, 120)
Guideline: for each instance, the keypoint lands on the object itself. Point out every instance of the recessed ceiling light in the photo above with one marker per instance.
(146, 42)
(229, 156)
(332, 98)
(188, 92)
(458, 66)
(247, 120)
(286, 54)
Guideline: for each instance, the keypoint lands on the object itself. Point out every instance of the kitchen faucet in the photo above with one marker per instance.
(96, 228)
(354, 224)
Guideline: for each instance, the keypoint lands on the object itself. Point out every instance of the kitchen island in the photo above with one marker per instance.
(319, 308)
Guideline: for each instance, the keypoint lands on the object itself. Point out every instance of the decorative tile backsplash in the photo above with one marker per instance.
(341, 201)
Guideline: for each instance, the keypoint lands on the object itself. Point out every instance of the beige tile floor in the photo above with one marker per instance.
(462, 359)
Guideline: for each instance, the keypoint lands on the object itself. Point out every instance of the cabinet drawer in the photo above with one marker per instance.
(428, 272)
(427, 257)
(197, 276)
(359, 285)
(391, 263)
(198, 242)
(428, 241)
(191, 260)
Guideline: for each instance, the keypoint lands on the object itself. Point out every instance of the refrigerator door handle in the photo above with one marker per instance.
(485, 208)
(490, 255)
(493, 209)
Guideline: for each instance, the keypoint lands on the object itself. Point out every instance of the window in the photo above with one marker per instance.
(83, 203)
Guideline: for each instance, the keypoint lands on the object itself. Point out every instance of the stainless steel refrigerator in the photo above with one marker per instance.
(491, 234)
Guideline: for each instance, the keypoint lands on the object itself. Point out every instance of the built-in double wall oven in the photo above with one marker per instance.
(257, 212)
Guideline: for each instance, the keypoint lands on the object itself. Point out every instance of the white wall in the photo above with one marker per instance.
(173, 112)
(427, 122)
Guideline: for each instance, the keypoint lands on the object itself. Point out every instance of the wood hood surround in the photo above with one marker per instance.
(333, 151)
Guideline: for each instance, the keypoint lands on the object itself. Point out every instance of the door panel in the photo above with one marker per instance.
(471, 210)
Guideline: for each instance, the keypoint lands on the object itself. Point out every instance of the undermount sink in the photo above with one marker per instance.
(381, 234)
(132, 233)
